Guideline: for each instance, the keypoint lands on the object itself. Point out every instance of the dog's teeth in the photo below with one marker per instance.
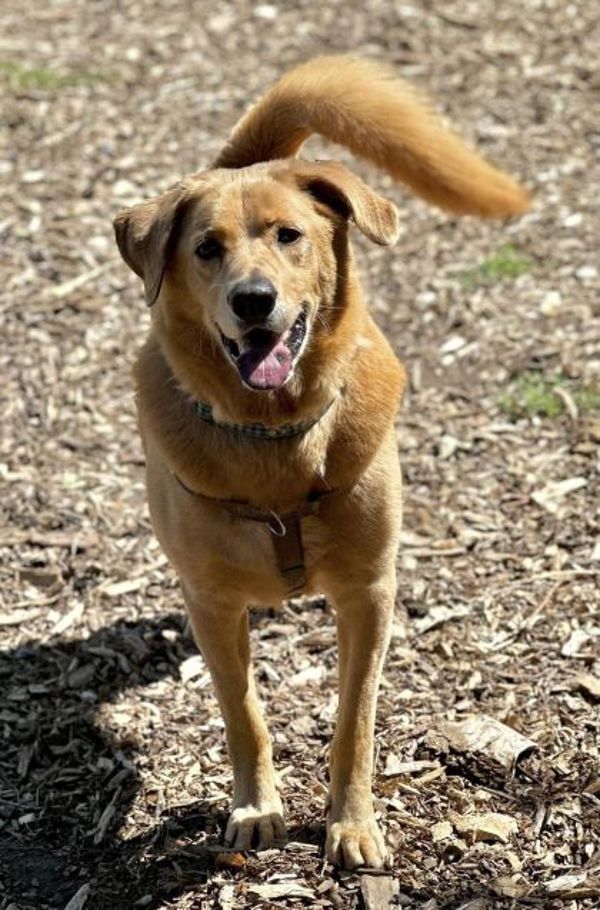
(230, 346)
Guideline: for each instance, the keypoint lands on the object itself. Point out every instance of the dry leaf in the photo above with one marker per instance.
(228, 860)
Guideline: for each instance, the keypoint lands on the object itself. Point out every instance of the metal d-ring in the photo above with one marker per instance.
(276, 525)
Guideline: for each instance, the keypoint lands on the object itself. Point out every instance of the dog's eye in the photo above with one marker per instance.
(209, 248)
(288, 235)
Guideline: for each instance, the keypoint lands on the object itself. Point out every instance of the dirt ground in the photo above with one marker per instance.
(114, 780)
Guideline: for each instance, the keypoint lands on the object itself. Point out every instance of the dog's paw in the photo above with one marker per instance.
(256, 827)
(351, 844)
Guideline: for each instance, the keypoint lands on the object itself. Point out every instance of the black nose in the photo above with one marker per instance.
(252, 300)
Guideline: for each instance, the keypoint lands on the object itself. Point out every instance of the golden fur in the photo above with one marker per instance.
(224, 564)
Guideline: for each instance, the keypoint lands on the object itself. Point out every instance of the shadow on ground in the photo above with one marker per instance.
(66, 785)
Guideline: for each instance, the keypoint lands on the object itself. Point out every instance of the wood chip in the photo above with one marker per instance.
(105, 819)
(486, 739)
(314, 674)
(442, 831)
(18, 616)
(589, 683)
(378, 891)
(79, 898)
(551, 496)
(226, 897)
(128, 586)
(394, 766)
(566, 882)
(81, 676)
(437, 616)
(66, 621)
(574, 643)
(493, 827)
(72, 540)
(513, 886)
(283, 889)
(60, 291)
(192, 667)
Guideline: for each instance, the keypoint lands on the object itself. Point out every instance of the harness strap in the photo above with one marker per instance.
(289, 553)
(286, 532)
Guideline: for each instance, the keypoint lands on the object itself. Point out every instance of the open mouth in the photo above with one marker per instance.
(264, 359)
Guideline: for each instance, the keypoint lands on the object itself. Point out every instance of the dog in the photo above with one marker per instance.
(267, 396)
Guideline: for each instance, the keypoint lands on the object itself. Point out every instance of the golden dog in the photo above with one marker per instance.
(267, 397)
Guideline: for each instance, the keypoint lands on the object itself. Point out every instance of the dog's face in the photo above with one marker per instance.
(256, 258)
(251, 258)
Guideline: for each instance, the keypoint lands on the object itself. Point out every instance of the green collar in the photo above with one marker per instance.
(259, 430)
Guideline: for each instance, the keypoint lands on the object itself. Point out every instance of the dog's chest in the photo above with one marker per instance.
(267, 473)
(245, 557)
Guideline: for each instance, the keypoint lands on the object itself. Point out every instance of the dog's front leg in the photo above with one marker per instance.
(221, 633)
(364, 622)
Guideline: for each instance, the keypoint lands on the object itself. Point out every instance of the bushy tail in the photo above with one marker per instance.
(363, 106)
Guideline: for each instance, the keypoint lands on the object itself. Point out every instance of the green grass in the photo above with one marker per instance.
(18, 77)
(507, 263)
(533, 393)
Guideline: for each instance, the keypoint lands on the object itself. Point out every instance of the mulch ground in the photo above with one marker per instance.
(114, 780)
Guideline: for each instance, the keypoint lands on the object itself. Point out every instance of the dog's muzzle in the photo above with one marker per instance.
(264, 359)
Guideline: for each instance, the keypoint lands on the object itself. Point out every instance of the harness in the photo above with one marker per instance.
(286, 529)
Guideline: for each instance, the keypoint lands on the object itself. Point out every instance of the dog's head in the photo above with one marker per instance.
(253, 258)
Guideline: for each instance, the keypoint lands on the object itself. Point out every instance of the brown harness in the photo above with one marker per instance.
(286, 532)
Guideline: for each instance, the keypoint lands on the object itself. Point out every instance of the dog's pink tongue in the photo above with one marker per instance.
(264, 368)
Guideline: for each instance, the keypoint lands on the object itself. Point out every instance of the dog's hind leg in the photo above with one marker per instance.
(364, 621)
(221, 633)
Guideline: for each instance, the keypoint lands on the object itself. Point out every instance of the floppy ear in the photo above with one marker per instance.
(144, 236)
(334, 185)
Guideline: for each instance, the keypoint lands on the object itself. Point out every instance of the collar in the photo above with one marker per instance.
(259, 430)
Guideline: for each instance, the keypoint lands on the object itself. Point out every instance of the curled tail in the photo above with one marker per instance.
(361, 105)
